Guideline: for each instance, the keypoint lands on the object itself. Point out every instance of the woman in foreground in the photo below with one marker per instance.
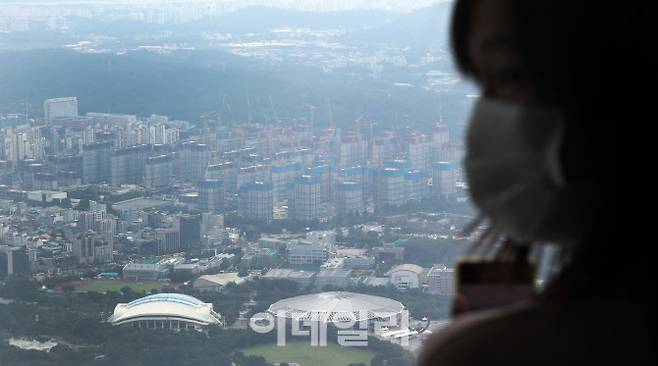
(541, 161)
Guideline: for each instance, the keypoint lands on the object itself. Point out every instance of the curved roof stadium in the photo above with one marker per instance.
(166, 307)
(336, 306)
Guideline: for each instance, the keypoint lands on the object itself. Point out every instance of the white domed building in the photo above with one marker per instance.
(338, 307)
(166, 311)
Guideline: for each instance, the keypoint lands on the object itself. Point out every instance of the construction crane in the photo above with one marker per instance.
(311, 111)
(225, 107)
(358, 124)
(248, 109)
(330, 113)
(206, 117)
(261, 110)
(274, 114)
(440, 107)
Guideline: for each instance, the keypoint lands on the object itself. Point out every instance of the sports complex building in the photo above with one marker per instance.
(339, 307)
(166, 311)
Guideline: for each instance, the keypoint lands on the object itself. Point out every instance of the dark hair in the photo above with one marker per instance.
(574, 51)
(565, 44)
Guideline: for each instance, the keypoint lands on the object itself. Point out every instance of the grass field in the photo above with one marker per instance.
(116, 285)
(306, 355)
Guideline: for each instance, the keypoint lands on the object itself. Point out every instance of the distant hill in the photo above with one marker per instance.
(421, 27)
(185, 84)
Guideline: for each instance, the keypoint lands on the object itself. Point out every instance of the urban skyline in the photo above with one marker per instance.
(192, 173)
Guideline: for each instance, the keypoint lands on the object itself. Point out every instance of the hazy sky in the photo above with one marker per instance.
(345, 4)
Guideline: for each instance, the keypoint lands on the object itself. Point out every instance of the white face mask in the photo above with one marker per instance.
(513, 170)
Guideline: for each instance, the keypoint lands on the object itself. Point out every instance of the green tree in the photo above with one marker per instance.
(126, 290)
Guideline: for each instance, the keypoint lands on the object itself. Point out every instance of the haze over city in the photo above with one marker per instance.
(190, 171)
(322, 183)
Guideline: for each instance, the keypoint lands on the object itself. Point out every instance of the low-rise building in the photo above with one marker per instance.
(46, 196)
(189, 269)
(388, 252)
(441, 280)
(376, 281)
(336, 277)
(272, 243)
(145, 271)
(335, 262)
(207, 264)
(405, 276)
(217, 282)
(306, 253)
(358, 262)
(259, 258)
(303, 278)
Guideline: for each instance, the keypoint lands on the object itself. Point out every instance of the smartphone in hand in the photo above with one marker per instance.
(487, 284)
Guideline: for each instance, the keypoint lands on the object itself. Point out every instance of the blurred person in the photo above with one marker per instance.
(543, 146)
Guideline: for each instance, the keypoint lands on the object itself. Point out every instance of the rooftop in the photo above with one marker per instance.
(287, 273)
(335, 272)
(437, 269)
(177, 298)
(139, 204)
(336, 306)
(221, 279)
